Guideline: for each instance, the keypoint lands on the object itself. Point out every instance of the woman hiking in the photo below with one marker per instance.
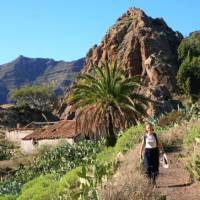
(152, 148)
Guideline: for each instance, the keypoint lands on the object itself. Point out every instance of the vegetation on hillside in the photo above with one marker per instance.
(57, 160)
(5, 151)
(5, 147)
(192, 147)
(188, 76)
(78, 160)
(36, 97)
(83, 182)
(83, 176)
(107, 101)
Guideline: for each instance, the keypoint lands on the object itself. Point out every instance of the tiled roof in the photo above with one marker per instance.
(62, 129)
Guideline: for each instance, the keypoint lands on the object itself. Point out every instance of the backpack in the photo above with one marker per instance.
(154, 134)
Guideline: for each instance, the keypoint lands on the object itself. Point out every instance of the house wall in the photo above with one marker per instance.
(27, 146)
(17, 135)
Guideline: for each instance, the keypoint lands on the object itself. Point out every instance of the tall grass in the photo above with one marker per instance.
(192, 147)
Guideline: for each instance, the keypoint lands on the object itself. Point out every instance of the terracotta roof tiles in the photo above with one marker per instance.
(62, 129)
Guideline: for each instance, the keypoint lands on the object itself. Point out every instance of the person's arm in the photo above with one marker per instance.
(141, 149)
(160, 147)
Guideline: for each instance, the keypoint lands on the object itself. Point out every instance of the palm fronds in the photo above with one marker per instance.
(106, 100)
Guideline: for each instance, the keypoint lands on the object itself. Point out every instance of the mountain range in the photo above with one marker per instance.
(28, 71)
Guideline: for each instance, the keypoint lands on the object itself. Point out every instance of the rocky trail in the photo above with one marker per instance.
(175, 182)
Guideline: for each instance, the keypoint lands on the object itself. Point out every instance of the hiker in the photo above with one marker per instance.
(151, 146)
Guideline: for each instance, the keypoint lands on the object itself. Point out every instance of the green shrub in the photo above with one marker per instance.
(192, 134)
(36, 97)
(188, 76)
(67, 158)
(170, 118)
(70, 178)
(129, 138)
(103, 167)
(41, 188)
(5, 150)
(125, 141)
(8, 197)
(69, 182)
(91, 178)
(193, 166)
(192, 146)
(107, 155)
(56, 160)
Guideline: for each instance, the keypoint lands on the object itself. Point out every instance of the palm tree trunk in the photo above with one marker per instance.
(111, 137)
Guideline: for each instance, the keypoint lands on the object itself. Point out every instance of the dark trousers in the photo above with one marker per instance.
(151, 162)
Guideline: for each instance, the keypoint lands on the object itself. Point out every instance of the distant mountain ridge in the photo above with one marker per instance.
(28, 71)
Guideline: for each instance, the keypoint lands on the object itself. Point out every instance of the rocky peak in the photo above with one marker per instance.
(145, 46)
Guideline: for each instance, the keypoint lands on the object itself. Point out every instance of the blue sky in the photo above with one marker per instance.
(66, 29)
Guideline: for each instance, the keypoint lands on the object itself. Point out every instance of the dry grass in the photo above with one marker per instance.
(128, 183)
(173, 138)
(133, 186)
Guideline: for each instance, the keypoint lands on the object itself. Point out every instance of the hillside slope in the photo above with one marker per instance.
(174, 182)
(27, 71)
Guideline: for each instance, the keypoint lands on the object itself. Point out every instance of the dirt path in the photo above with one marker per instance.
(175, 182)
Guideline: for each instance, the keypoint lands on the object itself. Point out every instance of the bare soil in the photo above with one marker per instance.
(175, 181)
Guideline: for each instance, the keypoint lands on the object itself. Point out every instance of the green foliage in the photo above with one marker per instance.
(192, 145)
(82, 185)
(36, 97)
(129, 138)
(192, 134)
(41, 188)
(93, 163)
(83, 182)
(163, 197)
(5, 151)
(8, 197)
(188, 76)
(171, 118)
(108, 154)
(57, 160)
(106, 164)
(69, 183)
(91, 177)
(193, 166)
(107, 101)
(190, 44)
(193, 111)
(125, 141)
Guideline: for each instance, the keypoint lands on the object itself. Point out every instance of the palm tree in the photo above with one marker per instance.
(106, 101)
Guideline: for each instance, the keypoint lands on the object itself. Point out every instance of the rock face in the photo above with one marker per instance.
(145, 46)
(28, 71)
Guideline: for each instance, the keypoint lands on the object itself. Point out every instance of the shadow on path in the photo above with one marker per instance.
(177, 185)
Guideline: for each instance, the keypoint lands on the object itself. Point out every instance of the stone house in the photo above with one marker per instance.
(64, 130)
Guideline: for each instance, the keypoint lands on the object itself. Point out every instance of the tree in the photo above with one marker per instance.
(36, 97)
(106, 101)
(188, 76)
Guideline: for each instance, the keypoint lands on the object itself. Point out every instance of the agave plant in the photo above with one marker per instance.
(106, 101)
